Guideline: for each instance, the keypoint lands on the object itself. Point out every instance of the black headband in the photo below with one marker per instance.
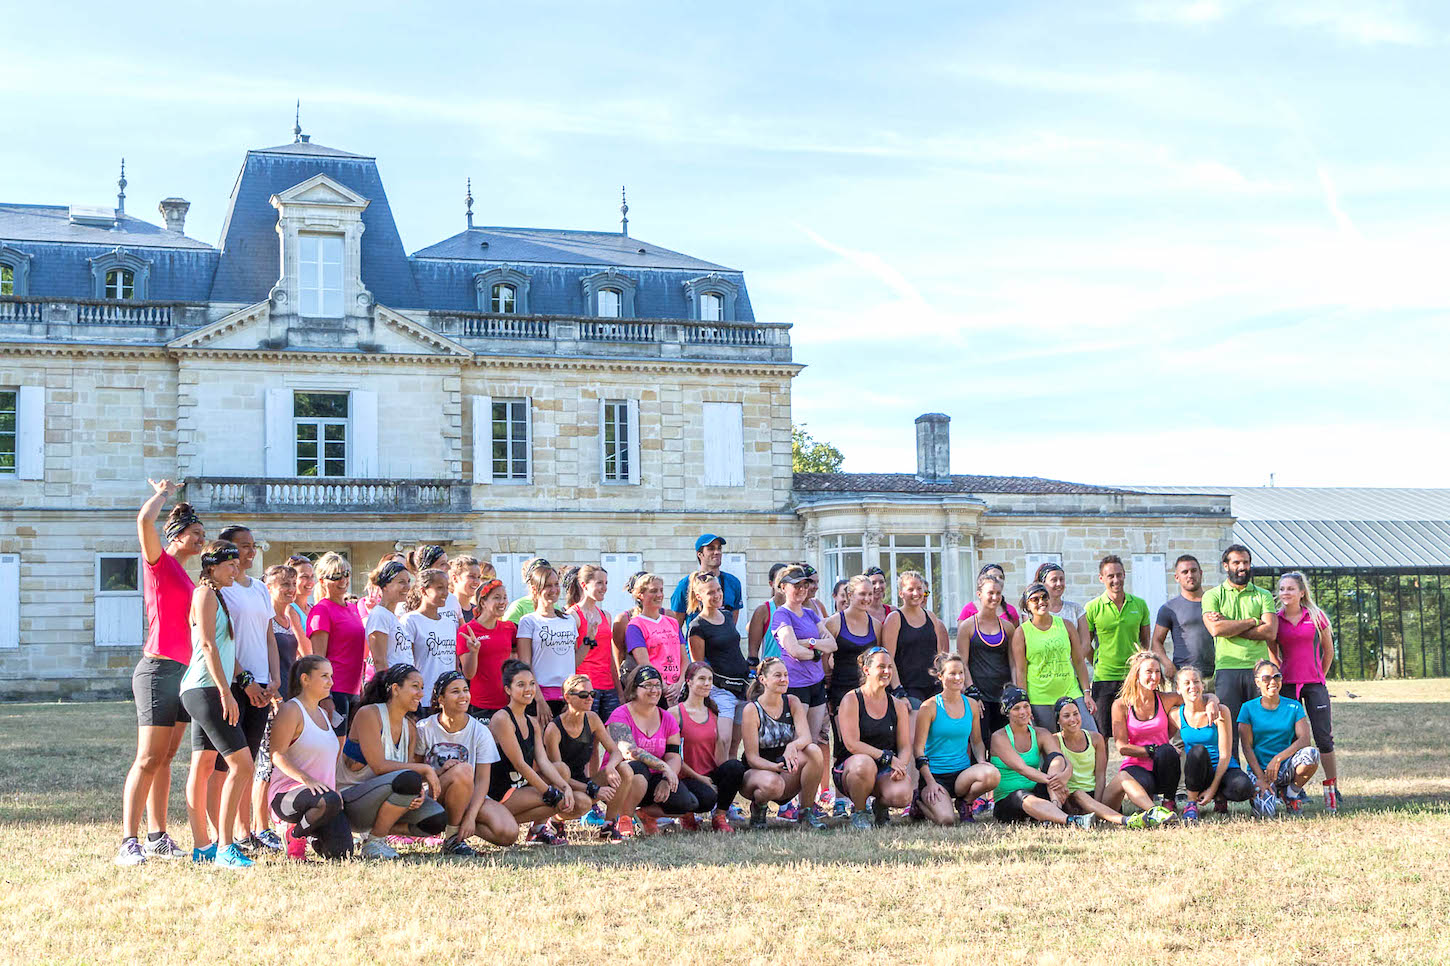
(1012, 696)
(388, 571)
(428, 555)
(441, 685)
(178, 523)
(645, 673)
(219, 556)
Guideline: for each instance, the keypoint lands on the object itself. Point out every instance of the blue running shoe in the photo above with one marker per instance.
(593, 819)
(789, 812)
(232, 857)
(207, 855)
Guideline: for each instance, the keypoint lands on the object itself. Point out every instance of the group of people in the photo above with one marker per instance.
(434, 708)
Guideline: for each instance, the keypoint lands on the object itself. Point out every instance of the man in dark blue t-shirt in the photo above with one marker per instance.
(709, 551)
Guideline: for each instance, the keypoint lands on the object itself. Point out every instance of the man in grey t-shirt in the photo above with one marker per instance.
(1182, 616)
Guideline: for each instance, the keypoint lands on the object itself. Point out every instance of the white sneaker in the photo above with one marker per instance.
(1081, 821)
(376, 848)
(130, 853)
(163, 848)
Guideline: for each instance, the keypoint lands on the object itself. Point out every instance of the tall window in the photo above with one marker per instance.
(511, 440)
(616, 441)
(504, 300)
(842, 553)
(8, 412)
(7, 280)
(712, 307)
(920, 552)
(120, 284)
(319, 266)
(608, 303)
(320, 419)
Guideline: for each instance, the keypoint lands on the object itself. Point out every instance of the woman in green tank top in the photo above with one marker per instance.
(1087, 753)
(1049, 660)
(1033, 772)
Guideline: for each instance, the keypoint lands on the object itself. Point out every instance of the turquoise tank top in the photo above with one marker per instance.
(769, 647)
(1206, 736)
(197, 675)
(949, 742)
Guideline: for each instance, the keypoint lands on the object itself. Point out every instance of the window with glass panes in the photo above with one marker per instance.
(319, 269)
(120, 284)
(8, 412)
(320, 421)
(712, 307)
(921, 552)
(504, 300)
(608, 303)
(841, 553)
(511, 440)
(616, 441)
(7, 280)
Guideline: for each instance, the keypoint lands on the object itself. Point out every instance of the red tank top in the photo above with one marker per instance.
(698, 741)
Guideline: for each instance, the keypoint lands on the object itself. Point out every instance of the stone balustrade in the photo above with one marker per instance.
(327, 495)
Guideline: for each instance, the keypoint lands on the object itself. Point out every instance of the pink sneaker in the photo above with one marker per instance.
(296, 845)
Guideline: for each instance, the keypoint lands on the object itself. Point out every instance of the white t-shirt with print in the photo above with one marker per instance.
(435, 647)
(474, 745)
(400, 646)
(554, 641)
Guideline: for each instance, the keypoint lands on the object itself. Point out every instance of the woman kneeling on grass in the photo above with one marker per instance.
(781, 756)
(303, 788)
(648, 739)
(1087, 754)
(948, 741)
(1033, 774)
(1142, 729)
(462, 751)
(381, 781)
(875, 743)
(575, 740)
(206, 694)
(1210, 773)
(703, 748)
(526, 781)
(1275, 736)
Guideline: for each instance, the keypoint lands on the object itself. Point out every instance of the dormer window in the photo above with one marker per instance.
(120, 284)
(319, 263)
(502, 291)
(609, 299)
(504, 300)
(712, 307)
(711, 298)
(609, 295)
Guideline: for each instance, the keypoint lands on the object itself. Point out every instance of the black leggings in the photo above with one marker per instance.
(1235, 688)
(1163, 778)
(690, 795)
(727, 777)
(1009, 808)
(1198, 769)
(317, 817)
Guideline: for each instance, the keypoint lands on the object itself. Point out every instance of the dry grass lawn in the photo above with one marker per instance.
(1368, 886)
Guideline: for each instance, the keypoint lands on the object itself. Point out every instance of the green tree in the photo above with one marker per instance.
(807, 455)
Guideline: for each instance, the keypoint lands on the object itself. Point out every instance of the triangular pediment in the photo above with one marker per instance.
(398, 333)
(246, 328)
(320, 190)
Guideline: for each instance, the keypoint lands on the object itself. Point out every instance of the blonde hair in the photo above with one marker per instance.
(989, 578)
(1132, 690)
(642, 581)
(695, 599)
(855, 584)
(1315, 614)
(428, 578)
(329, 563)
(577, 681)
(908, 574)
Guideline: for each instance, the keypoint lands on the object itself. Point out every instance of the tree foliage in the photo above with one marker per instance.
(809, 455)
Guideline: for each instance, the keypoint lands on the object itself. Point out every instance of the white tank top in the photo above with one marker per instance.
(314, 753)
(392, 751)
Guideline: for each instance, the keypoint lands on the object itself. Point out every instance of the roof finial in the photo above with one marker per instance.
(468, 202)
(623, 213)
(121, 193)
(297, 126)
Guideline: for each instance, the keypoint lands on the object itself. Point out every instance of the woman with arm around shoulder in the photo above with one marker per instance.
(336, 633)
(654, 637)
(947, 742)
(156, 683)
(575, 740)
(1087, 755)
(1305, 650)
(1032, 773)
(711, 773)
(876, 742)
(781, 756)
(1143, 726)
(302, 791)
(526, 781)
(461, 750)
(1210, 773)
(1275, 739)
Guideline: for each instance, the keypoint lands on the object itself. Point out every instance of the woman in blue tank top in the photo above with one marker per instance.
(947, 741)
(1210, 773)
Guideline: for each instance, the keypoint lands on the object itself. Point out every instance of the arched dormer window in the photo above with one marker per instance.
(711, 298)
(120, 274)
(609, 295)
(14, 271)
(502, 291)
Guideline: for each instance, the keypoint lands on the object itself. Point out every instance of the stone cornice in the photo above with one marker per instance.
(84, 349)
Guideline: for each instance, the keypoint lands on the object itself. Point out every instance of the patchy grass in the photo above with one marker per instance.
(1367, 886)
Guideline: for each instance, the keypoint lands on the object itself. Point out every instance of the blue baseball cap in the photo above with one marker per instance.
(705, 539)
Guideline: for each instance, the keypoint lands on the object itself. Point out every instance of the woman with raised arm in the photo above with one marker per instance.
(432, 633)
(578, 743)
(951, 760)
(1142, 729)
(484, 644)
(526, 781)
(1087, 755)
(984, 640)
(648, 738)
(336, 633)
(302, 790)
(156, 683)
(388, 643)
(1210, 772)
(1049, 659)
(385, 788)
(1275, 738)
(876, 742)
(1033, 774)
(207, 695)
(654, 638)
(781, 756)
(715, 641)
(1305, 646)
(707, 768)
(914, 637)
(463, 753)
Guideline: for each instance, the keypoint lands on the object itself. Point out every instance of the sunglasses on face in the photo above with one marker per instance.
(342, 576)
(581, 694)
(1266, 678)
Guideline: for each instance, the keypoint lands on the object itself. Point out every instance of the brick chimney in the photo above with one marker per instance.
(933, 447)
(174, 211)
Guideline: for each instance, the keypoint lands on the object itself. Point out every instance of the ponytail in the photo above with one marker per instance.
(757, 684)
(304, 665)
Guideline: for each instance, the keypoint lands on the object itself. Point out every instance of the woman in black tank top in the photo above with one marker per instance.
(540, 791)
(915, 636)
(875, 735)
(855, 630)
(984, 641)
(574, 740)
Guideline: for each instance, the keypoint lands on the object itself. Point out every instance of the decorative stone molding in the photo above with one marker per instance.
(321, 206)
(610, 278)
(484, 282)
(715, 284)
(120, 258)
(19, 263)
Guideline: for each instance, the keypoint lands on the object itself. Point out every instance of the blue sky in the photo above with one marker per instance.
(1117, 242)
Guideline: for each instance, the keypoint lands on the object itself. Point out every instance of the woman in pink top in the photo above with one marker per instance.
(1305, 651)
(1142, 728)
(156, 682)
(336, 633)
(653, 637)
(1007, 609)
(303, 788)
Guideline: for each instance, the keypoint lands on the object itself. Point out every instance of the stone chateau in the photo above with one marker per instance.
(583, 395)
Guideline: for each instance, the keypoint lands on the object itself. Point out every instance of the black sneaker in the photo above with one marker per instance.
(881, 813)
(757, 816)
(458, 848)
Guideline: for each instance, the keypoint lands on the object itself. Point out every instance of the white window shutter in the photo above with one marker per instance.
(509, 568)
(1150, 580)
(30, 433)
(9, 600)
(279, 447)
(635, 474)
(734, 565)
(603, 465)
(619, 567)
(529, 437)
(364, 438)
(724, 444)
(482, 439)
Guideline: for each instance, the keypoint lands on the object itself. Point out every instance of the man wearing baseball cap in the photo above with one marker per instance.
(709, 552)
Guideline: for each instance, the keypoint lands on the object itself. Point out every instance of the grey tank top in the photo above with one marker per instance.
(775, 733)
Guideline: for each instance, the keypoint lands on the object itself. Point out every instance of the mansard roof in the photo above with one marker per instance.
(51, 223)
(563, 247)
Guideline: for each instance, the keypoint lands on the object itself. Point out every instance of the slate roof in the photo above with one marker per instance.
(825, 483)
(562, 247)
(250, 254)
(51, 223)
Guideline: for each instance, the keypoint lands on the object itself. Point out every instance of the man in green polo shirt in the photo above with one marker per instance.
(1118, 622)
(1242, 617)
